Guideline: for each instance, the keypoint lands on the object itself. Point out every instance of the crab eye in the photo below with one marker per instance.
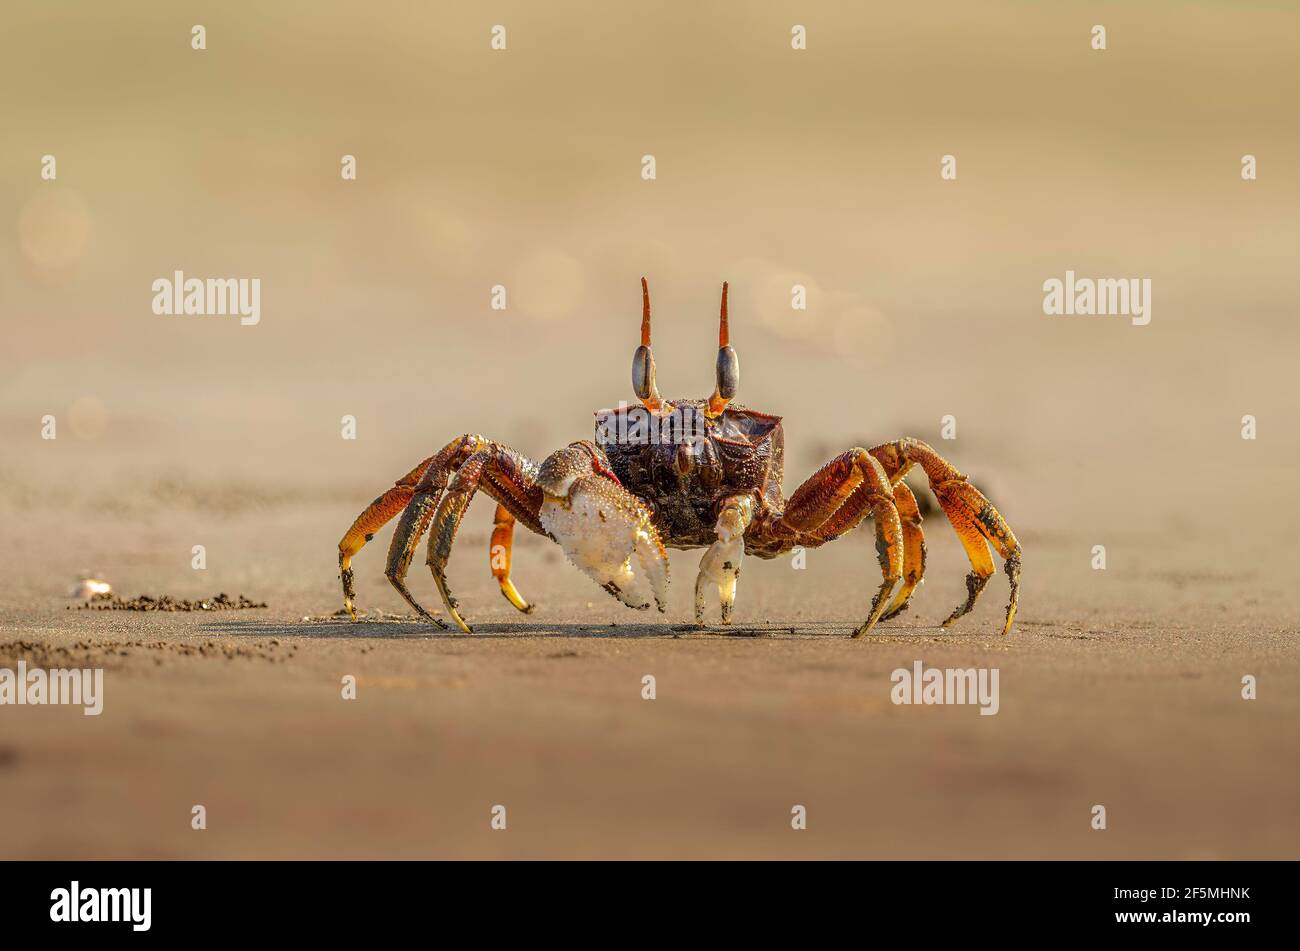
(643, 362)
(643, 373)
(728, 373)
(728, 368)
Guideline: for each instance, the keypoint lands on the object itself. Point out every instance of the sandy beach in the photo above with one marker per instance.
(242, 712)
(132, 436)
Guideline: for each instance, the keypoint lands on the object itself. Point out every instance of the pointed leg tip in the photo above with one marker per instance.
(512, 595)
(863, 629)
(961, 611)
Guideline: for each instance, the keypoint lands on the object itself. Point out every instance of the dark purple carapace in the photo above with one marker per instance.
(684, 463)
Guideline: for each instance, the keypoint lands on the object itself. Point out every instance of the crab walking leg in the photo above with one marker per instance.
(981, 562)
(976, 522)
(426, 484)
(411, 527)
(507, 476)
(913, 549)
(375, 517)
(889, 548)
(828, 490)
(720, 566)
(856, 508)
(503, 533)
(848, 517)
(447, 520)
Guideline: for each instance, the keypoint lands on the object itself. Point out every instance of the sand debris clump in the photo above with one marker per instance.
(165, 602)
(112, 653)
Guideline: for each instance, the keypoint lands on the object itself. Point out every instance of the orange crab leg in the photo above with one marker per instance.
(446, 522)
(419, 513)
(826, 492)
(375, 517)
(410, 529)
(909, 514)
(503, 531)
(977, 523)
(417, 496)
(507, 476)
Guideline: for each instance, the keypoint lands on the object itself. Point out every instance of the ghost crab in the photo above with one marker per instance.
(682, 474)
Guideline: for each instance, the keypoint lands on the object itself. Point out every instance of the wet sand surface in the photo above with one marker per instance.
(242, 712)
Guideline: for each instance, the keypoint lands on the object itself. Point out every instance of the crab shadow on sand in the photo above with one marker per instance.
(402, 629)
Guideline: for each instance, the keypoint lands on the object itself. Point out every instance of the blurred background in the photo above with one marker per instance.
(774, 167)
(523, 168)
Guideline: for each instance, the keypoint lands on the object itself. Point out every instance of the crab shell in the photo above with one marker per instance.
(683, 464)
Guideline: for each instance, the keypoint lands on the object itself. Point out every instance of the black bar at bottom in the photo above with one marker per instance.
(664, 901)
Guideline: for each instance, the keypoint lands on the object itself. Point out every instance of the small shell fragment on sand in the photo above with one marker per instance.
(88, 588)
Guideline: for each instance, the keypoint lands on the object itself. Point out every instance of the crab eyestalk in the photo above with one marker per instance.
(643, 363)
(728, 369)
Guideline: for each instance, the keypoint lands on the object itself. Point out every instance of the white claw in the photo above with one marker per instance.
(720, 566)
(720, 570)
(654, 564)
(600, 526)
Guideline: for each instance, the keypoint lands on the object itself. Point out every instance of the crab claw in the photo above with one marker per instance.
(604, 529)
